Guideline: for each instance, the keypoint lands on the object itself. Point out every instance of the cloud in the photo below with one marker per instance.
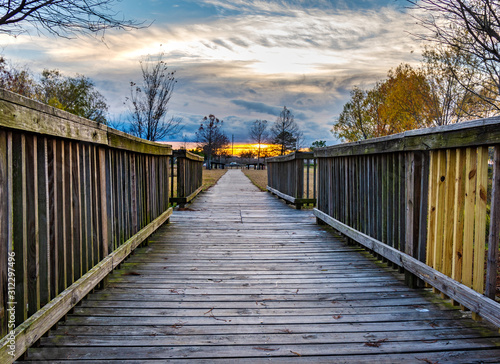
(247, 61)
(259, 107)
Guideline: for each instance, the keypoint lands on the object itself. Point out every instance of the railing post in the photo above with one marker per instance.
(299, 181)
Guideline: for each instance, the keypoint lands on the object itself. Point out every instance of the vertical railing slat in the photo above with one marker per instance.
(494, 233)
(480, 219)
(470, 200)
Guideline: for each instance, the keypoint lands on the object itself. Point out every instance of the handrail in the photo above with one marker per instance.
(189, 177)
(285, 178)
(424, 195)
(76, 197)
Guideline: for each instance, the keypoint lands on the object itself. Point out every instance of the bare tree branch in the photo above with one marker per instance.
(64, 18)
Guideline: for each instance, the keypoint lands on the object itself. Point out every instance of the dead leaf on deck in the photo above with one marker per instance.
(376, 344)
(295, 353)
(263, 349)
(336, 317)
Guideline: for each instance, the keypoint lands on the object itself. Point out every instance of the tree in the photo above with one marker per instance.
(259, 134)
(16, 80)
(470, 28)
(407, 100)
(402, 102)
(284, 131)
(354, 122)
(211, 139)
(63, 18)
(450, 77)
(317, 144)
(247, 154)
(148, 103)
(76, 95)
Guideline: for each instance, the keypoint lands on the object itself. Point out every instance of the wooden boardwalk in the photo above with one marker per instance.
(240, 277)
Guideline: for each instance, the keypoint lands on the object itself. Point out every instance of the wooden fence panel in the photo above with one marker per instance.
(189, 177)
(69, 197)
(288, 176)
(427, 197)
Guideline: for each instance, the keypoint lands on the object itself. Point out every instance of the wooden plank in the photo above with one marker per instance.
(52, 215)
(88, 212)
(410, 205)
(449, 208)
(290, 199)
(18, 221)
(458, 216)
(67, 214)
(440, 210)
(476, 302)
(470, 201)
(103, 197)
(480, 219)
(75, 213)
(133, 187)
(494, 234)
(43, 221)
(33, 328)
(424, 206)
(31, 215)
(291, 157)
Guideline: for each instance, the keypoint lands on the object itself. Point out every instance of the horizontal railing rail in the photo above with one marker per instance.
(76, 197)
(188, 177)
(292, 177)
(420, 200)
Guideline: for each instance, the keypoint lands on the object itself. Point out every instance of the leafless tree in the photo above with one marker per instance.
(259, 134)
(471, 28)
(211, 139)
(285, 131)
(148, 103)
(65, 18)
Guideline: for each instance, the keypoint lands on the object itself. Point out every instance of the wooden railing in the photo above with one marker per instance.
(188, 177)
(76, 198)
(419, 200)
(293, 178)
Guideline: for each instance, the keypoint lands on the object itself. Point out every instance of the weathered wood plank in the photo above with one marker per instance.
(494, 236)
(458, 216)
(470, 201)
(480, 219)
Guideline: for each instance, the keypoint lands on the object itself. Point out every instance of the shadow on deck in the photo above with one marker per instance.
(239, 276)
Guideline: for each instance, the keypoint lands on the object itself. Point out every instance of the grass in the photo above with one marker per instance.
(258, 177)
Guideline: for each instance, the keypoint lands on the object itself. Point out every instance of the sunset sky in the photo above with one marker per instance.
(240, 60)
